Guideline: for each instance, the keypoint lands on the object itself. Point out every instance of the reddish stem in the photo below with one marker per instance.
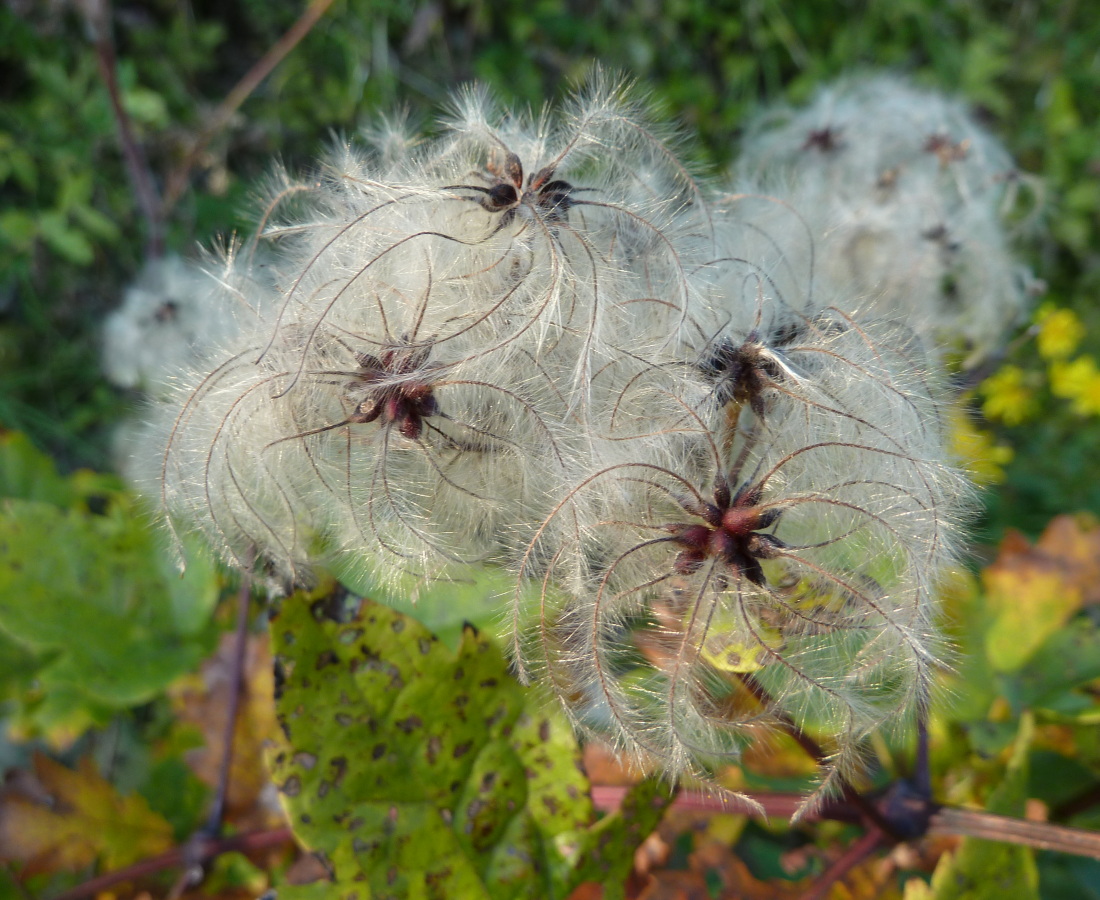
(608, 798)
(852, 857)
(208, 848)
(98, 17)
(236, 685)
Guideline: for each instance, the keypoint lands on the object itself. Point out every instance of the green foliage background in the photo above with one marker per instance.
(71, 238)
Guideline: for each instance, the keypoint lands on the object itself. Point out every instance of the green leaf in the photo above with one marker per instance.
(417, 769)
(29, 474)
(444, 608)
(987, 870)
(1030, 596)
(420, 772)
(54, 227)
(1068, 659)
(95, 594)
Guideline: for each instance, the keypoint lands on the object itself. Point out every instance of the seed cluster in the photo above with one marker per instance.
(717, 466)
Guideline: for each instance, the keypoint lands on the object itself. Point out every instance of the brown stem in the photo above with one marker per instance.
(236, 685)
(922, 763)
(813, 748)
(210, 848)
(992, 827)
(807, 743)
(97, 15)
(177, 178)
(852, 857)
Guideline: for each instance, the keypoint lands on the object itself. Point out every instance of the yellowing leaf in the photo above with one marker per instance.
(1032, 591)
(59, 819)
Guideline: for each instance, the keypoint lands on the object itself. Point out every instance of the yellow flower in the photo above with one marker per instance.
(1060, 332)
(1078, 381)
(1007, 396)
(976, 450)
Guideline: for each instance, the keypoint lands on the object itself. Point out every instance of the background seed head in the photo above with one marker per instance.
(907, 196)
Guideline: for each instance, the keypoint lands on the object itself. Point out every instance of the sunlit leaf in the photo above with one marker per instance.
(1030, 593)
(407, 765)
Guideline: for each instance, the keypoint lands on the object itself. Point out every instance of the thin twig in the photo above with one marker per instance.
(97, 15)
(807, 743)
(922, 762)
(852, 857)
(177, 179)
(236, 687)
(210, 848)
(993, 827)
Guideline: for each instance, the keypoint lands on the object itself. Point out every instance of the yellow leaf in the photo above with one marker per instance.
(58, 819)
(1031, 591)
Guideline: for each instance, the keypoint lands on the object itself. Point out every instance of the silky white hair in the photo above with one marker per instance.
(539, 342)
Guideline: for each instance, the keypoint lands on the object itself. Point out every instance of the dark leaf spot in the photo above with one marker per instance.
(410, 724)
(292, 787)
(462, 749)
(305, 760)
(280, 679)
(339, 765)
(378, 751)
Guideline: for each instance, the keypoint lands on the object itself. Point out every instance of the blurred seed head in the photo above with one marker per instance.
(907, 197)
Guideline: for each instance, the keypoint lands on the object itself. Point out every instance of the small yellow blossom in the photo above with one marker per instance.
(1078, 381)
(1060, 332)
(1008, 397)
(976, 450)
